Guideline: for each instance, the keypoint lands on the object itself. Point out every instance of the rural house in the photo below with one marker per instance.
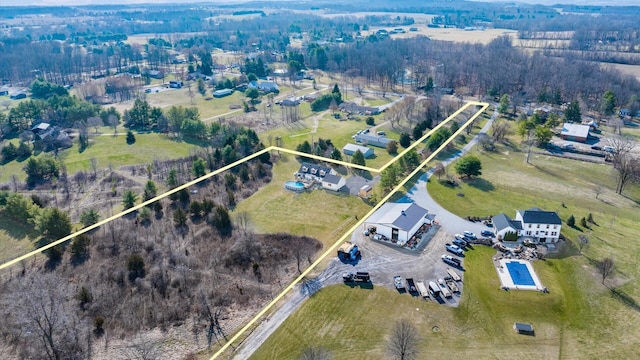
(574, 132)
(398, 221)
(333, 182)
(265, 86)
(537, 225)
(322, 175)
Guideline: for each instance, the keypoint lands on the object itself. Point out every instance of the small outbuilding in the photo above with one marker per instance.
(365, 191)
(351, 149)
(524, 329)
(398, 221)
(333, 182)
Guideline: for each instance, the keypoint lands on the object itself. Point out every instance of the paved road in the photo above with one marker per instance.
(452, 223)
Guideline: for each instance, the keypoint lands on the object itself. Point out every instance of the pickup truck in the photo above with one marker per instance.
(397, 280)
(461, 243)
(454, 249)
(360, 276)
(448, 259)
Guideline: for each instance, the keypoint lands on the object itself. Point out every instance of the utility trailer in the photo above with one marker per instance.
(452, 285)
(454, 275)
(411, 286)
(434, 289)
(348, 251)
(360, 276)
(422, 289)
(444, 289)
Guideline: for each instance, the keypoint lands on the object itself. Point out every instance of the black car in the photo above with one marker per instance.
(596, 147)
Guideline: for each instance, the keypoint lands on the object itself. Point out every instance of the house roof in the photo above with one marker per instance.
(41, 127)
(502, 221)
(353, 148)
(314, 169)
(223, 92)
(355, 108)
(401, 215)
(538, 216)
(332, 179)
(575, 130)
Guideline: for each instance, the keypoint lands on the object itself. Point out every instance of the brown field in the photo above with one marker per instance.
(141, 39)
(449, 34)
(633, 70)
(419, 18)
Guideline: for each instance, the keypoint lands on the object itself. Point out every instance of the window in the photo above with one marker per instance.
(538, 226)
(529, 226)
(547, 226)
(555, 226)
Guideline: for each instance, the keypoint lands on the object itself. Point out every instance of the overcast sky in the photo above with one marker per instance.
(87, 2)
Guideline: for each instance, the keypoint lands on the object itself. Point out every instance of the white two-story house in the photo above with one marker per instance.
(535, 224)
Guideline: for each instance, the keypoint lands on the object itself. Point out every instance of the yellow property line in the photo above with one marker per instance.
(357, 225)
(330, 250)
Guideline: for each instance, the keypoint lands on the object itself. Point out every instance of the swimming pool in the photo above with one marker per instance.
(520, 273)
(294, 186)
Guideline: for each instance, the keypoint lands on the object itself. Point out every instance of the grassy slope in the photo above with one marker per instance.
(578, 319)
(112, 150)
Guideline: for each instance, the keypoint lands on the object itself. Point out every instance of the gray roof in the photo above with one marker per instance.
(314, 169)
(401, 215)
(376, 140)
(537, 216)
(523, 327)
(353, 148)
(332, 179)
(502, 221)
(576, 130)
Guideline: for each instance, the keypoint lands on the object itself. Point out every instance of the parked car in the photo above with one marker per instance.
(382, 133)
(459, 237)
(609, 149)
(365, 131)
(461, 243)
(469, 235)
(397, 281)
(487, 233)
(596, 147)
(568, 146)
(448, 259)
(454, 249)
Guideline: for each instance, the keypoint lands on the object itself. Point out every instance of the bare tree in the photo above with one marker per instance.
(113, 122)
(95, 122)
(315, 353)
(242, 220)
(439, 170)
(403, 344)
(94, 166)
(500, 129)
(621, 146)
(616, 124)
(598, 189)
(627, 166)
(41, 314)
(605, 268)
(6, 104)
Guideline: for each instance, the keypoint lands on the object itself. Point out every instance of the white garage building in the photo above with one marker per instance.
(398, 221)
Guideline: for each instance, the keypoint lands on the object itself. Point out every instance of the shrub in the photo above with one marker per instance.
(135, 265)
(571, 221)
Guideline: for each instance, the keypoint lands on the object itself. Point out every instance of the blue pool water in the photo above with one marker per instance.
(520, 274)
(294, 185)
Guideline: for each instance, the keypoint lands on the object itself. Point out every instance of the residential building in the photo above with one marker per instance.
(313, 172)
(399, 221)
(333, 182)
(222, 93)
(574, 132)
(353, 108)
(537, 225)
(266, 86)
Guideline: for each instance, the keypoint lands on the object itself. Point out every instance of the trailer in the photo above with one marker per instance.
(360, 276)
(397, 281)
(422, 289)
(434, 289)
(444, 289)
(452, 285)
(411, 286)
(454, 275)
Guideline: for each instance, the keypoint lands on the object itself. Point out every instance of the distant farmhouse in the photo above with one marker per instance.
(52, 136)
(353, 108)
(535, 224)
(266, 86)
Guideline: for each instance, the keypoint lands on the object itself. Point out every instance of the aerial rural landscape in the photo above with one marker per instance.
(319, 180)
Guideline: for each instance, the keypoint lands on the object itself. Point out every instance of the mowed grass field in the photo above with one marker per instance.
(112, 150)
(579, 318)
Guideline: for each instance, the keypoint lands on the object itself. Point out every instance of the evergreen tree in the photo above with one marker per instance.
(358, 158)
(129, 199)
(469, 166)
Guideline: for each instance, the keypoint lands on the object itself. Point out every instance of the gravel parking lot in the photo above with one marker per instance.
(384, 261)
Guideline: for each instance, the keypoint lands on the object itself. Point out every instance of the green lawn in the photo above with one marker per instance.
(15, 238)
(355, 323)
(111, 150)
(321, 214)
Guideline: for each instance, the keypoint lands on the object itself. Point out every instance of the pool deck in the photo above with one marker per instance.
(507, 282)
